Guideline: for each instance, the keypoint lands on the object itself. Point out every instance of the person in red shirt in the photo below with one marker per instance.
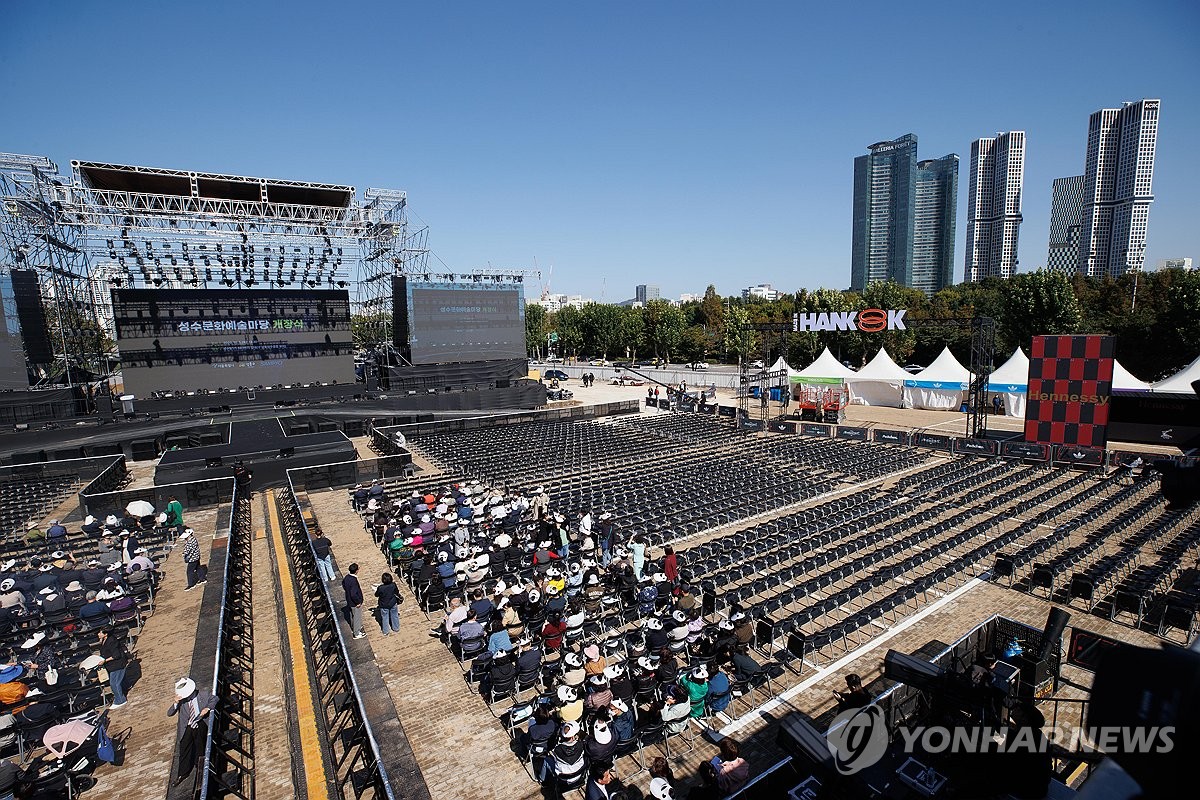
(670, 565)
(552, 633)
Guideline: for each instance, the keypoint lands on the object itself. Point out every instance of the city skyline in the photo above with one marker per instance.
(605, 141)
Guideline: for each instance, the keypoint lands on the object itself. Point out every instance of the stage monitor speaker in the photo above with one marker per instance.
(372, 382)
(104, 403)
(31, 316)
(213, 462)
(1056, 622)
(799, 739)
(911, 670)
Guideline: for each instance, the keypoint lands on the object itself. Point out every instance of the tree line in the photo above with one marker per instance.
(1154, 338)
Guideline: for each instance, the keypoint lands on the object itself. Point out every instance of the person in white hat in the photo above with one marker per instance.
(10, 595)
(196, 573)
(568, 758)
(602, 744)
(695, 683)
(194, 708)
(660, 789)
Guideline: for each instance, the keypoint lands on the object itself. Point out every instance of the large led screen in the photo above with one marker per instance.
(441, 323)
(190, 339)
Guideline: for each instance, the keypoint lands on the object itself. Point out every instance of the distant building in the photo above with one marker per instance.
(690, 298)
(557, 302)
(904, 217)
(761, 292)
(1066, 225)
(994, 205)
(1117, 179)
(644, 293)
(1175, 263)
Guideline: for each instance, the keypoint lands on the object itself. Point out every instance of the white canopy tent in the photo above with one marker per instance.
(1010, 381)
(1123, 379)
(941, 386)
(1180, 382)
(781, 364)
(879, 383)
(826, 367)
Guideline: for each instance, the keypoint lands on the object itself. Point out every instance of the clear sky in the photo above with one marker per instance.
(676, 143)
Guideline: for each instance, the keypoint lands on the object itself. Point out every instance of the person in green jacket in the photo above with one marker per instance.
(695, 683)
(174, 514)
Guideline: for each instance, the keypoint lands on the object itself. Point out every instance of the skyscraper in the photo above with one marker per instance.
(994, 205)
(884, 196)
(1117, 189)
(934, 222)
(904, 217)
(1066, 224)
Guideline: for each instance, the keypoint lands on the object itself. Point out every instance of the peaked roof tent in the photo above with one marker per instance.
(944, 369)
(826, 366)
(1012, 375)
(1181, 381)
(1123, 379)
(881, 368)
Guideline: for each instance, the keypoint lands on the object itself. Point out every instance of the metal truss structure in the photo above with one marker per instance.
(755, 413)
(37, 233)
(109, 226)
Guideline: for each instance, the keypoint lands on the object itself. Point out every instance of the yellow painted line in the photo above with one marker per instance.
(306, 718)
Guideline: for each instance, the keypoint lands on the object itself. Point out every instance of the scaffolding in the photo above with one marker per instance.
(37, 232)
(113, 226)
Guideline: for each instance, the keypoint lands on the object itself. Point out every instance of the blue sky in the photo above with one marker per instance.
(624, 142)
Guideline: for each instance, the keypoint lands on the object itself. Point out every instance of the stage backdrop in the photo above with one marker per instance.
(188, 339)
(445, 323)
(1070, 385)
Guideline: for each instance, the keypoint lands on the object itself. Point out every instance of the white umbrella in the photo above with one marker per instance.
(140, 508)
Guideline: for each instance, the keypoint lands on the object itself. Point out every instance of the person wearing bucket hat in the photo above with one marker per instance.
(191, 557)
(695, 683)
(599, 695)
(194, 708)
(567, 759)
(661, 789)
(91, 526)
(602, 744)
(10, 595)
(570, 707)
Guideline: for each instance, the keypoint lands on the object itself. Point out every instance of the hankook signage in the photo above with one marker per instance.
(869, 320)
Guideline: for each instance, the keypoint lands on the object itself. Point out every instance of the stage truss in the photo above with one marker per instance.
(107, 226)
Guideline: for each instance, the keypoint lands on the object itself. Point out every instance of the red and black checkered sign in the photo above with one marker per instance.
(1070, 383)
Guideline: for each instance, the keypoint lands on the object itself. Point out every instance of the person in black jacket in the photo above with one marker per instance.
(354, 600)
(115, 661)
(323, 549)
(389, 598)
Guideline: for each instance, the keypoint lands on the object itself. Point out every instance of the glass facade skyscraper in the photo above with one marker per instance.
(1066, 222)
(994, 205)
(904, 217)
(1117, 192)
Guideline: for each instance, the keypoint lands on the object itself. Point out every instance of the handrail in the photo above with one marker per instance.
(208, 741)
(384, 781)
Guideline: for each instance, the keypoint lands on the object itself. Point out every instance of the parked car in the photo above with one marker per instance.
(599, 362)
(626, 380)
(555, 375)
(701, 365)
(622, 364)
(652, 362)
(554, 360)
(755, 365)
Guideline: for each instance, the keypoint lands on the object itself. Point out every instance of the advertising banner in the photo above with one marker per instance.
(1027, 450)
(811, 429)
(889, 437)
(935, 441)
(783, 427)
(1070, 389)
(853, 434)
(975, 447)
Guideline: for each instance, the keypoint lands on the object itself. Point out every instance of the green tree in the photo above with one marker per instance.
(535, 329)
(694, 344)
(741, 340)
(568, 324)
(367, 330)
(1038, 303)
(1178, 328)
(664, 327)
(633, 330)
(601, 328)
